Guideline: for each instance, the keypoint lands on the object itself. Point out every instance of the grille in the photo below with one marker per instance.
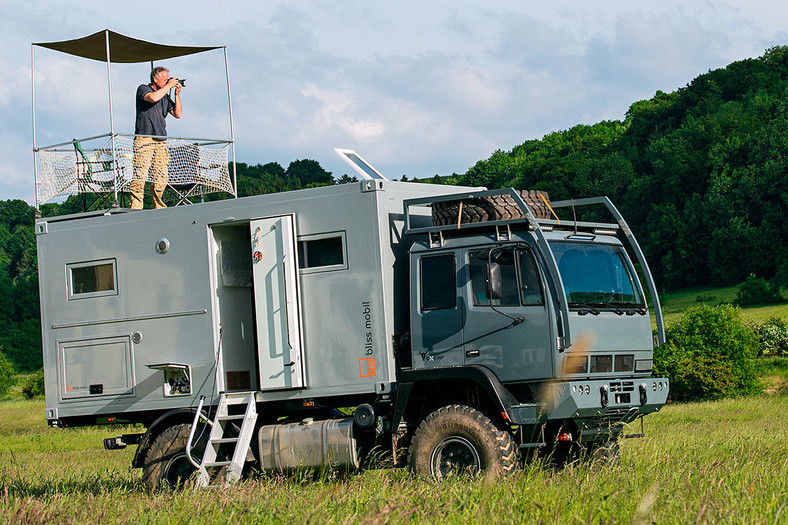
(239, 380)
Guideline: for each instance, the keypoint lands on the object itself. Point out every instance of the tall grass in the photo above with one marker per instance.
(720, 462)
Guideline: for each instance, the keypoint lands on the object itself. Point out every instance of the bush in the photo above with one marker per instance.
(708, 355)
(7, 374)
(773, 338)
(757, 291)
(34, 385)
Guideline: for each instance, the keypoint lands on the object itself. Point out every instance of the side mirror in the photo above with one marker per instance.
(493, 284)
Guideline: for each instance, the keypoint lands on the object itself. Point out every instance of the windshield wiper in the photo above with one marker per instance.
(630, 309)
(584, 308)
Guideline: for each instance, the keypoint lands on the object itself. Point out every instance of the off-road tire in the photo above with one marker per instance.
(491, 208)
(166, 465)
(605, 453)
(458, 438)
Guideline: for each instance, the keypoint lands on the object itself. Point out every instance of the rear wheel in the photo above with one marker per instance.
(166, 464)
(459, 439)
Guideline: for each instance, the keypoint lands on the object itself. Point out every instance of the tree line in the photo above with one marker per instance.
(701, 174)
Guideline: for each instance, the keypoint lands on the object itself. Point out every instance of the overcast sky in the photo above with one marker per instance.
(416, 87)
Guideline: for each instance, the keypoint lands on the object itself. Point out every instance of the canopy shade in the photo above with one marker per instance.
(122, 49)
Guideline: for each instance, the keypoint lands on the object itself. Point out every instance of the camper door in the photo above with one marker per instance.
(276, 302)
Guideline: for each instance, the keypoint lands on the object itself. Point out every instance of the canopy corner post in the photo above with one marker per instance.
(232, 131)
(35, 147)
(115, 203)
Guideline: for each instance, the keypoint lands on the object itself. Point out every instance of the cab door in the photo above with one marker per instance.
(510, 335)
(436, 310)
(276, 302)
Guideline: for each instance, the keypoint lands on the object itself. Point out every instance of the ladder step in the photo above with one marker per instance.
(224, 440)
(217, 463)
(230, 418)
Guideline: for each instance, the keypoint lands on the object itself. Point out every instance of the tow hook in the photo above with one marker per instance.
(122, 441)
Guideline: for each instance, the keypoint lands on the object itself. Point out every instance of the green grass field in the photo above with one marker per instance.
(714, 462)
(720, 462)
(675, 303)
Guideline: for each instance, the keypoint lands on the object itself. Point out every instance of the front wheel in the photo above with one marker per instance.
(459, 439)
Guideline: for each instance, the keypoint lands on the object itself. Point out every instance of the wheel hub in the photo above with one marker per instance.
(454, 455)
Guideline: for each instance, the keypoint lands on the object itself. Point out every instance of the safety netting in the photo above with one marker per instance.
(185, 165)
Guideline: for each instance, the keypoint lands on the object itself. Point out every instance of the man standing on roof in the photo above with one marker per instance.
(150, 150)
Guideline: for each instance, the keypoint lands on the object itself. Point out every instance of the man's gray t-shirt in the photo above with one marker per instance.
(150, 116)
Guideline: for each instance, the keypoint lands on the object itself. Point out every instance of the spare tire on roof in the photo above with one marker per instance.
(490, 208)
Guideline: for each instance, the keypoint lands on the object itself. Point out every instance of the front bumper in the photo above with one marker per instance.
(597, 406)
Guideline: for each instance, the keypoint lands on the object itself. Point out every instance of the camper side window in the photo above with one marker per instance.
(322, 252)
(438, 282)
(92, 279)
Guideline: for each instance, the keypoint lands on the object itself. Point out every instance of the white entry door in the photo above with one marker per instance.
(276, 302)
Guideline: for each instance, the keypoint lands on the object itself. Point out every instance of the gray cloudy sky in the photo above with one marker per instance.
(416, 87)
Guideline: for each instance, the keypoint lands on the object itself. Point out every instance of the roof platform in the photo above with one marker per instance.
(103, 164)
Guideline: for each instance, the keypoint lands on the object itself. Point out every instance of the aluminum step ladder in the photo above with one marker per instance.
(227, 447)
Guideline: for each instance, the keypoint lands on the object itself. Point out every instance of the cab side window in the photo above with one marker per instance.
(505, 259)
(530, 284)
(438, 282)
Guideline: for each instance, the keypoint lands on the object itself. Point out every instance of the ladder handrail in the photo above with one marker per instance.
(197, 415)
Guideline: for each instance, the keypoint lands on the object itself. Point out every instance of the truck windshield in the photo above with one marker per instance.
(597, 275)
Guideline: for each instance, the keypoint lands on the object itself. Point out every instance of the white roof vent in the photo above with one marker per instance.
(364, 168)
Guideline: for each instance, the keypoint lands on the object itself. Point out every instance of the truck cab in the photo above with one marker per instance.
(551, 312)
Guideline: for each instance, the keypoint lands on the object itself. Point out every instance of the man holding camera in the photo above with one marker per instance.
(150, 150)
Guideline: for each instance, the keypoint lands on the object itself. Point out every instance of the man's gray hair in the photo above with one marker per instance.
(156, 71)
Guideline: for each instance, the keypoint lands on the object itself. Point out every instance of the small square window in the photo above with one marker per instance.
(576, 364)
(438, 282)
(625, 363)
(601, 363)
(92, 279)
(322, 252)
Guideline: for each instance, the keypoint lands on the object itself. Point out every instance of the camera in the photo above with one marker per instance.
(181, 81)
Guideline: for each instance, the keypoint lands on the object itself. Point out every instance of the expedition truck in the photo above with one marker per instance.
(452, 328)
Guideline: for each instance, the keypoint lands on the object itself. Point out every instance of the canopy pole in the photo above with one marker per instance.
(232, 133)
(33, 89)
(115, 203)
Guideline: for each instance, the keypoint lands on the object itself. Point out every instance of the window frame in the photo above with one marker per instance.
(517, 250)
(70, 267)
(453, 256)
(305, 239)
(629, 268)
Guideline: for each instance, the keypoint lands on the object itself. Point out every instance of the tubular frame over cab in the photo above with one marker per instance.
(539, 226)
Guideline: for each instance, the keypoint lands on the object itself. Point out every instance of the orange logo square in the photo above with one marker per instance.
(366, 367)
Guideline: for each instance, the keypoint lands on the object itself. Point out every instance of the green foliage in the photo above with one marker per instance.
(7, 374)
(708, 355)
(755, 291)
(34, 385)
(773, 338)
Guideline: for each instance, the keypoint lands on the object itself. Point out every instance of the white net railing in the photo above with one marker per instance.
(190, 167)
